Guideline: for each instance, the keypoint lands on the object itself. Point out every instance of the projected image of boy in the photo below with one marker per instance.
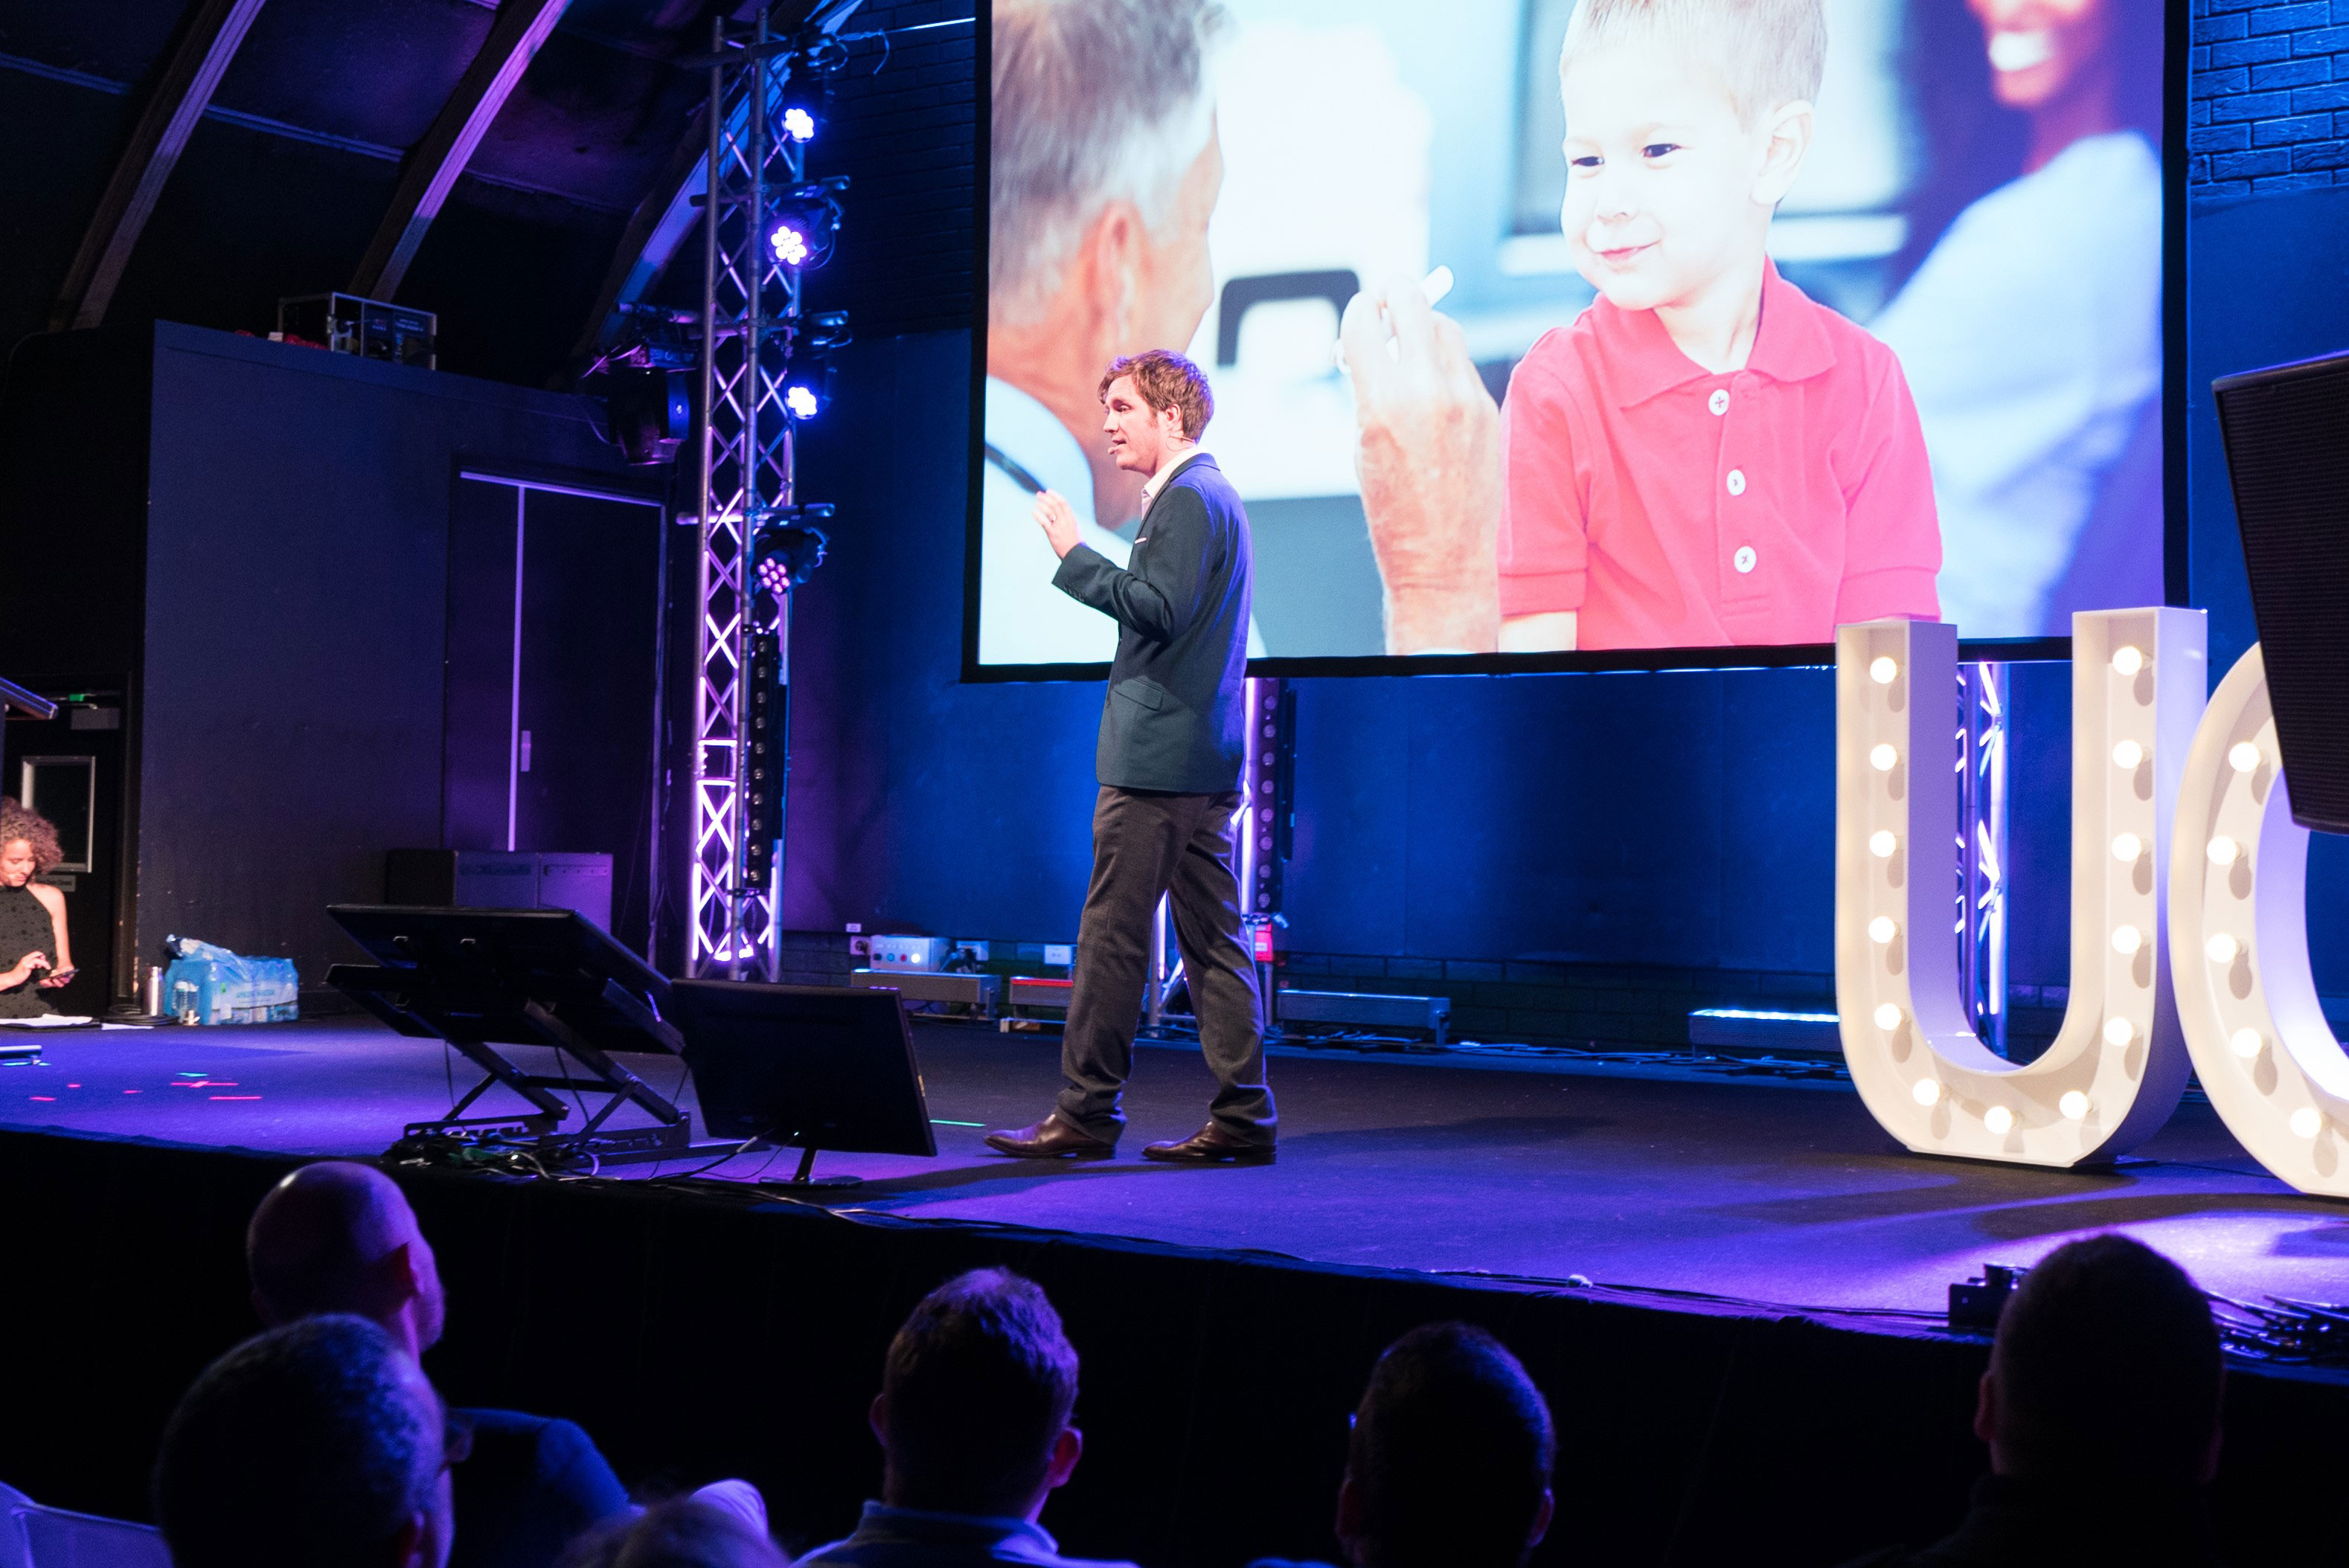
(1705, 456)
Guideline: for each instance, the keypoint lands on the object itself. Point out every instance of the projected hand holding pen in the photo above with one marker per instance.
(1429, 463)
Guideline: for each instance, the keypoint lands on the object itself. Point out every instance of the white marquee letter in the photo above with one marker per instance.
(2115, 1069)
(2238, 924)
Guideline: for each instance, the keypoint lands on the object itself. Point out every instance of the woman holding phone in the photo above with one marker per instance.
(35, 955)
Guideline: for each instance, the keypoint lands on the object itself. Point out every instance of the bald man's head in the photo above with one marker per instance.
(340, 1237)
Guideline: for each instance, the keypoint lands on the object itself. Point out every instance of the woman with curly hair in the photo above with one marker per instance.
(34, 953)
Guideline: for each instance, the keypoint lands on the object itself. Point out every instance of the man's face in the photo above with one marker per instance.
(1661, 176)
(2037, 47)
(1174, 280)
(1137, 434)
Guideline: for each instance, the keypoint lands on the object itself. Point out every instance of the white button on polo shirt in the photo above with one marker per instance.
(1744, 559)
(1719, 401)
(1737, 481)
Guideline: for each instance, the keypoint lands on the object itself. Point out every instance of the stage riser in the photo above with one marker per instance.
(699, 1335)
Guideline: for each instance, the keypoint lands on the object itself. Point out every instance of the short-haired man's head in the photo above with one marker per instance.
(1094, 101)
(679, 1533)
(1451, 1454)
(1166, 380)
(980, 1383)
(2107, 1365)
(1767, 53)
(312, 1443)
(320, 1241)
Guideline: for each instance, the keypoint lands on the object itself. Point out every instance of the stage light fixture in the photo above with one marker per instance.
(805, 222)
(802, 400)
(799, 124)
(2117, 1054)
(791, 546)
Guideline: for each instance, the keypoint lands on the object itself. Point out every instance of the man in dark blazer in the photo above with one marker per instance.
(1168, 763)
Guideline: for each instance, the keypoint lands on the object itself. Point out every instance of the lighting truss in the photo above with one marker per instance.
(1982, 723)
(750, 311)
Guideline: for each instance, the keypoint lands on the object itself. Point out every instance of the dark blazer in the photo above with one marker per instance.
(532, 1486)
(1173, 719)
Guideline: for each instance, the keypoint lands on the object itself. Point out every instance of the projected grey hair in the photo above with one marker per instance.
(1094, 101)
(1770, 53)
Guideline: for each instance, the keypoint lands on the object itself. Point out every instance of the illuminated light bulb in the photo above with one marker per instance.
(2119, 1031)
(1927, 1092)
(1882, 757)
(2243, 756)
(2245, 1043)
(1883, 929)
(1888, 1016)
(2307, 1123)
(1999, 1121)
(798, 125)
(2074, 1105)
(1884, 669)
(2128, 659)
(1882, 843)
(800, 401)
(2224, 850)
(2127, 754)
(2128, 847)
(2127, 939)
(2223, 948)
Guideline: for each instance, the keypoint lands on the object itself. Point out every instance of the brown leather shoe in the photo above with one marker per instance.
(1210, 1144)
(1051, 1139)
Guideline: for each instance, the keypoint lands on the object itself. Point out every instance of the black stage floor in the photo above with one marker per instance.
(1772, 1190)
(1798, 1404)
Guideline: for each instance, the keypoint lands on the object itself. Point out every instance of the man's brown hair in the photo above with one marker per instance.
(981, 1380)
(1166, 380)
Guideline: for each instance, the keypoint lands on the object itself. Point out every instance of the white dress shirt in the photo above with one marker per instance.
(2032, 341)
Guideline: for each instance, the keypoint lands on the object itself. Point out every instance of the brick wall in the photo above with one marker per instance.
(903, 128)
(2270, 99)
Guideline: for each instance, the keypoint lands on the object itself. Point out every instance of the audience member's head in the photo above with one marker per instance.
(1450, 1462)
(340, 1237)
(975, 1403)
(2106, 1369)
(319, 1443)
(680, 1533)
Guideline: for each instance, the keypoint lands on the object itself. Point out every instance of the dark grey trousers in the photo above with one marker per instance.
(1146, 843)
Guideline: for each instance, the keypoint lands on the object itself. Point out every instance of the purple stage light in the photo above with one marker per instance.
(790, 244)
(773, 575)
(800, 401)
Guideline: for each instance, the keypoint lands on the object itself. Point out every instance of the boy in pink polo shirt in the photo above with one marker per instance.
(1705, 456)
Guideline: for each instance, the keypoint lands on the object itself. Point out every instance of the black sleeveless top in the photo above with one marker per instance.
(23, 928)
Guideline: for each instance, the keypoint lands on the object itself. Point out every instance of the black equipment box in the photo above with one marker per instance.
(370, 328)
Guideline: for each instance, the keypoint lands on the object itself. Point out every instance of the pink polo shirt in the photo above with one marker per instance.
(1672, 508)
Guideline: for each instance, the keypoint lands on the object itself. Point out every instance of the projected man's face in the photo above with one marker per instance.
(2038, 48)
(16, 863)
(1666, 190)
(1172, 281)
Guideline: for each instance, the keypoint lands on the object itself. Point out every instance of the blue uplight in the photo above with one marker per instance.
(791, 245)
(798, 125)
(800, 401)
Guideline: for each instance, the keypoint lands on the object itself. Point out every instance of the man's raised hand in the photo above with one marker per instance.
(1058, 519)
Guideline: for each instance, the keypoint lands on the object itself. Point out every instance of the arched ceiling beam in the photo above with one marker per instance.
(433, 166)
(156, 142)
(662, 222)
